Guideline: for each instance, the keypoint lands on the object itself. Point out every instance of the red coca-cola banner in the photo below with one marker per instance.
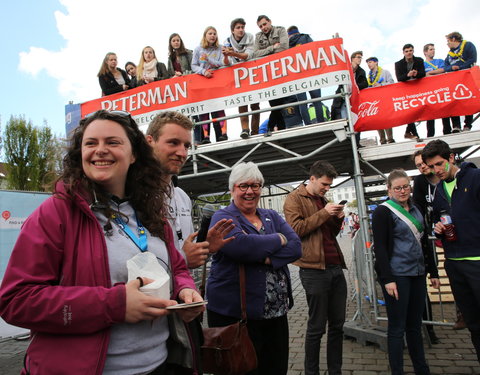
(443, 95)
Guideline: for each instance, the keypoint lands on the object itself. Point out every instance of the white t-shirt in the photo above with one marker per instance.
(180, 217)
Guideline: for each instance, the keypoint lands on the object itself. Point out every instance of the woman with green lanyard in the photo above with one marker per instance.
(401, 264)
(67, 279)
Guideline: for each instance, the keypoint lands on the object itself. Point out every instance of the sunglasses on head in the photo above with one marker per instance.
(118, 113)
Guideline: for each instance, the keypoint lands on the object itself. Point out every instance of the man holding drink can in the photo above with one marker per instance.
(456, 210)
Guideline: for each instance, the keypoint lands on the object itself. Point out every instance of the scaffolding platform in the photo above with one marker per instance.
(284, 156)
(287, 155)
(398, 155)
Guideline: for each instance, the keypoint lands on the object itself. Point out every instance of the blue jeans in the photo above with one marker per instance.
(290, 115)
(317, 105)
(405, 318)
(464, 276)
(326, 292)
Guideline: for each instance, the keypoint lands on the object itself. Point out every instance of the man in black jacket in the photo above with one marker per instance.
(295, 38)
(338, 105)
(410, 67)
(339, 109)
(458, 196)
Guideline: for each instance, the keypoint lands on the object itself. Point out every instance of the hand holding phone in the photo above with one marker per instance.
(343, 202)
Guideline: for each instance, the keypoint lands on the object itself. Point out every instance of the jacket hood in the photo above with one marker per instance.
(294, 39)
(464, 166)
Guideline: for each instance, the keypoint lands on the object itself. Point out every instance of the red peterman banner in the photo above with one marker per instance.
(435, 97)
(302, 68)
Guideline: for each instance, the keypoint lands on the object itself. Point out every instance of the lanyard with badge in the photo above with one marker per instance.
(141, 239)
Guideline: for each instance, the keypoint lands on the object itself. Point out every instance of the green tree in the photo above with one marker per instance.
(353, 203)
(49, 157)
(21, 154)
(32, 155)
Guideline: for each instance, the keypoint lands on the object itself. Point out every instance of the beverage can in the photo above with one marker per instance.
(445, 218)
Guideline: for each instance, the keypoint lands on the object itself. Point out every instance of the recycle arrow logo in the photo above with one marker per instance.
(462, 92)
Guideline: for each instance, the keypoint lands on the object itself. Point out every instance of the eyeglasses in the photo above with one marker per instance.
(118, 113)
(398, 189)
(254, 187)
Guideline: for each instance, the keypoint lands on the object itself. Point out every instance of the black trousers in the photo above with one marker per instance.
(412, 129)
(326, 292)
(447, 129)
(405, 320)
(468, 121)
(269, 337)
(464, 276)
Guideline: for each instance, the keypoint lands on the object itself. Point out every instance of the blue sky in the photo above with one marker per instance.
(51, 50)
(25, 24)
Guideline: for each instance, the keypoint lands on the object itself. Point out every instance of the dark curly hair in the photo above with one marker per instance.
(145, 185)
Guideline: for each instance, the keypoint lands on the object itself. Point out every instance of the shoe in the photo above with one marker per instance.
(466, 129)
(456, 130)
(460, 323)
(383, 141)
(244, 134)
(223, 137)
(206, 141)
(410, 136)
(268, 134)
(391, 141)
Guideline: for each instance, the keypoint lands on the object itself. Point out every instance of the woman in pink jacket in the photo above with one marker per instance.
(67, 277)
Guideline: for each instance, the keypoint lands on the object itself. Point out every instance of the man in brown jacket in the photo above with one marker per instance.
(317, 223)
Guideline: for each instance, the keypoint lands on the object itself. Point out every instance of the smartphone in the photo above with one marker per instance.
(343, 202)
(186, 305)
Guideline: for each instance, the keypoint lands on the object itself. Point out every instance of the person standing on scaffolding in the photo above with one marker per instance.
(238, 47)
(406, 69)
(377, 77)
(295, 38)
(270, 40)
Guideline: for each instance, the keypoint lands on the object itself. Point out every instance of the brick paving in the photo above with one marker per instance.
(453, 356)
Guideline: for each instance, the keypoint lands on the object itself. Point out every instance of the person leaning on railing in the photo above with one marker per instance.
(238, 47)
(206, 58)
(149, 69)
(111, 78)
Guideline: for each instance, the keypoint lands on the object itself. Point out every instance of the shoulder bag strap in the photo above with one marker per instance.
(243, 297)
(204, 280)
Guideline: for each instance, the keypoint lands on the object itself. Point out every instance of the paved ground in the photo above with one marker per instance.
(453, 356)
